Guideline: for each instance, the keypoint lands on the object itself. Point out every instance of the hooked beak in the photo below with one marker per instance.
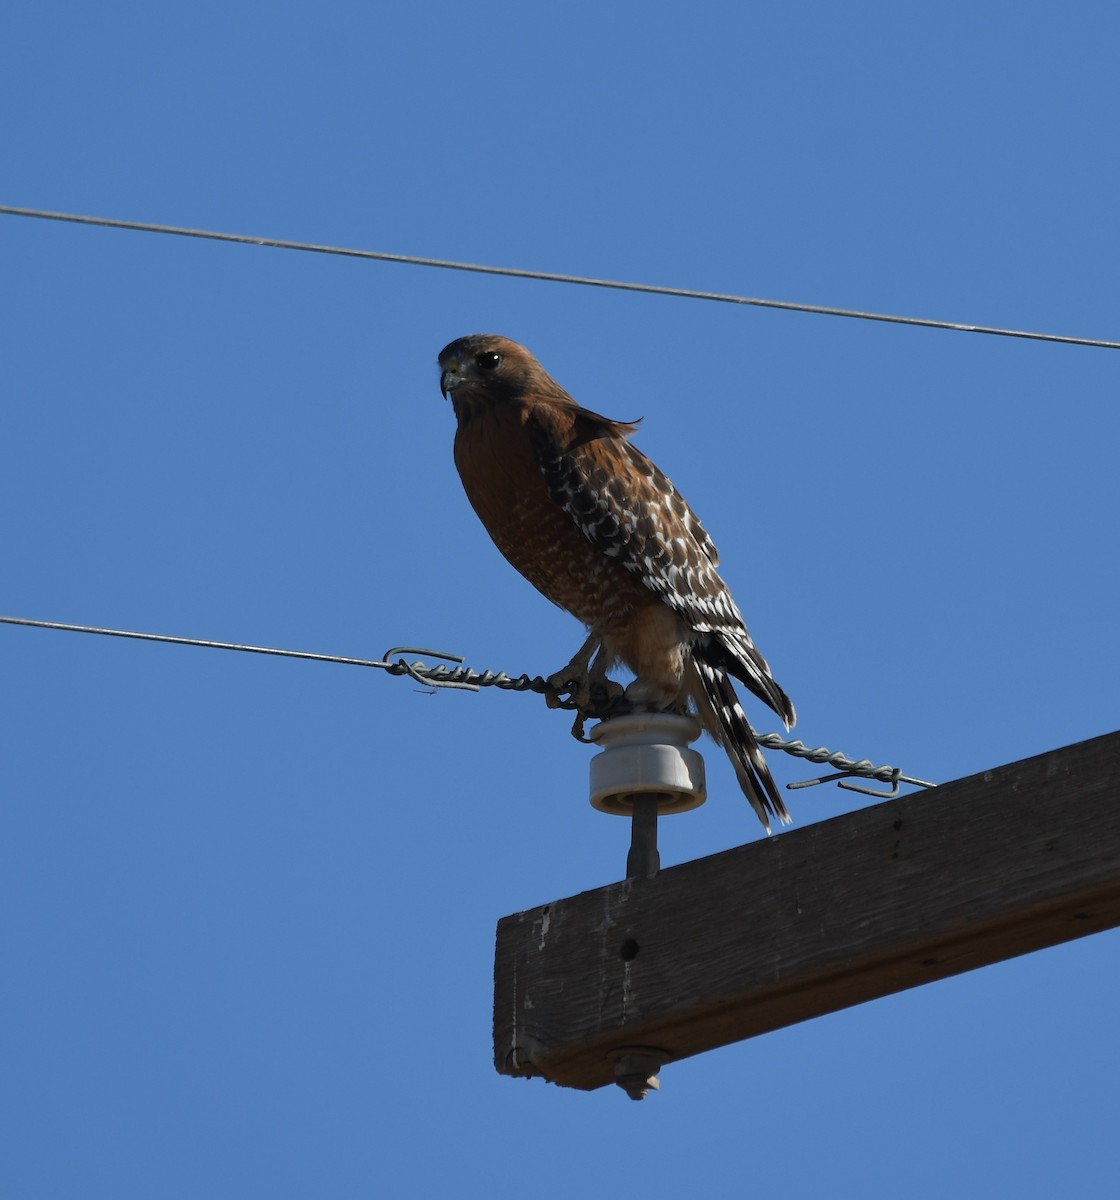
(449, 380)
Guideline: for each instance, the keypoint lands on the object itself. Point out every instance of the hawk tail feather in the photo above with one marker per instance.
(722, 716)
(740, 657)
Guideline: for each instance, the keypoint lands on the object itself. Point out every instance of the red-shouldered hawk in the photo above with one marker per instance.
(596, 527)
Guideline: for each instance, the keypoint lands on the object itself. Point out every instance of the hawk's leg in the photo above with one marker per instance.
(585, 680)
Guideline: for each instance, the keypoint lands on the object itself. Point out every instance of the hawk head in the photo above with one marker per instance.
(485, 368)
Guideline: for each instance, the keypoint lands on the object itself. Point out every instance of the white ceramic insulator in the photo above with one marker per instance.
(647, 753)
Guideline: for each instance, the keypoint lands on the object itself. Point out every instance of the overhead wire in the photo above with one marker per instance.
(466, 679)
(553, 277)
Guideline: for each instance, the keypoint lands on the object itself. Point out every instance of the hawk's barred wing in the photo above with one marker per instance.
(631, 511)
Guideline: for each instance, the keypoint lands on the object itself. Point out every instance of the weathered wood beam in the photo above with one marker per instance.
(820, 918)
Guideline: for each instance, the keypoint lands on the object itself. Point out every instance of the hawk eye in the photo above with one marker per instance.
(487, 360)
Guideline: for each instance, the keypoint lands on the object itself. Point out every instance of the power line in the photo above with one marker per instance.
(552, 277)
(467, 679)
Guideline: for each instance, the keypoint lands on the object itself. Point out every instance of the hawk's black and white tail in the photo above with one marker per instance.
(722, 716)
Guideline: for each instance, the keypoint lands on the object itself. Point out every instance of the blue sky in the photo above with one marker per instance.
(247, 905)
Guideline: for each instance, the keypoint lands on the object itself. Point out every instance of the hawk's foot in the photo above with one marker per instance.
(588, 692)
